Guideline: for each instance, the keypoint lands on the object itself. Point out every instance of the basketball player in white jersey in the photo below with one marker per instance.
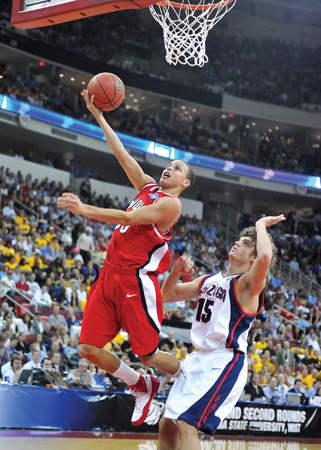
(213, 379)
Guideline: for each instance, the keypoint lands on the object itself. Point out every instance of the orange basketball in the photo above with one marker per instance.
(108, 89)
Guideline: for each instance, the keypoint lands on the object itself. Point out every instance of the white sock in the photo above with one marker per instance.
(177, 374)
(127, 374)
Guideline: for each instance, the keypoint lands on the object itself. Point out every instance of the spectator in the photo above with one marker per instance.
(253, 390)
(34, 363)
(285, 356)
(315, 388)
(37, 324)
(289, 377)
(13, 374)
(46, 334)
(86, 244)
(282, 387)
(298, 389)
(71, 348)
(101, 379)
(6, 286)
(71, 319)
(63, 337)
(56, 362)
(46, 363)
(271, 391)
(169, 343)
(9, 212)
(33, 347)
(42, 298)
(81, 374)
(22, 347)
(23, 286)
(57, 319)
(25, 326)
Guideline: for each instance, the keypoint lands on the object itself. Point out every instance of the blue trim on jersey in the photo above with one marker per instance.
(239, 320)
(201, 414)
(205, 278)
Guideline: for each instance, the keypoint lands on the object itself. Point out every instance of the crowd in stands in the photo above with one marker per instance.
(270, 71)
(50, 259)
(276, 152)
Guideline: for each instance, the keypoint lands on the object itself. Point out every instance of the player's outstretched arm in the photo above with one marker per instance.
(176, 292)
(133, 170)
(162, 213)
(251, 284)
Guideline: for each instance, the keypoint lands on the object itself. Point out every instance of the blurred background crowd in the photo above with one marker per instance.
(50, 258)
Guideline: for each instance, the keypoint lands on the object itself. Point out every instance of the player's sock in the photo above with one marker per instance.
(127, 374)
(177, 374)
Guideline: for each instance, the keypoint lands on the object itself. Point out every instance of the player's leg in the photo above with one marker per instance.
(168, 435)
(101, 325)
(188, 436)
(163, 361)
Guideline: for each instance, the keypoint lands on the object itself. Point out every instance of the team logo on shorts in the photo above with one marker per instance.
(154, 196)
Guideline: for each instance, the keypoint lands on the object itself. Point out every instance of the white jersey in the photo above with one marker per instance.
(220, 321)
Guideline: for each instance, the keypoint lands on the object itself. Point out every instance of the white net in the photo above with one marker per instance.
(186, 26)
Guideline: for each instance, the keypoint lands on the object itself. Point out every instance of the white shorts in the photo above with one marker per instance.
(208, 388)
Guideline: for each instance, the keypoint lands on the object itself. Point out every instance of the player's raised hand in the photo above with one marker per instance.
(184, 266)
(90, 104)
(271, 220)
(70, 201)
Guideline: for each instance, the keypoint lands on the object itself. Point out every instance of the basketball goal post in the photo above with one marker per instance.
(185, 23)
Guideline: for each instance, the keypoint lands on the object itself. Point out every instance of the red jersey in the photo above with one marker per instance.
(141, 246)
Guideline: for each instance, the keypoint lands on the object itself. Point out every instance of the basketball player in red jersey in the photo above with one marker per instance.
(127, 294)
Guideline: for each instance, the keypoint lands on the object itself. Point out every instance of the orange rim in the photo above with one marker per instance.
(194, 7)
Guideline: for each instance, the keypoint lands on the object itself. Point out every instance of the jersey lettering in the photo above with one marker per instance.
(135, 204)
(206, 317)
(215, 291)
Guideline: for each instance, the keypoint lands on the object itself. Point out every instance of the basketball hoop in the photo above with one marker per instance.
(186, 26)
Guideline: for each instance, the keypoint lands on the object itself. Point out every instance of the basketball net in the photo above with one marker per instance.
(186, 26)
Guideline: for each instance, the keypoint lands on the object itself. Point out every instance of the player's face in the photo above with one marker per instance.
(243, 250)
(174, 175)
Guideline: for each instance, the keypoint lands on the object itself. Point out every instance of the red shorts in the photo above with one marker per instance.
(127, 299)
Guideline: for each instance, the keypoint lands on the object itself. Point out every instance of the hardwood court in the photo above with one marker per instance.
(38, 440)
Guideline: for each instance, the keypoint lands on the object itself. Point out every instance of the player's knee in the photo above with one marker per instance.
(168, 430)
(186, 430)
(87, 351)
(150, 361)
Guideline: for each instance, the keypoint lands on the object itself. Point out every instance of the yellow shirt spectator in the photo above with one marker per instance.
(41, 242)
(70, 263)
(8, 251)
(26, 268)
(258, 367)
(49, 236)
(32, 260)
(260, 345)
(11, 266)
(25, 228)
(309, 380)
(20, 219)
(305, 381)
(55, 246)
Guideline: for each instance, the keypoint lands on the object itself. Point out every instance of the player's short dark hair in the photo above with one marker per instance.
(250, 232)
(190, 175)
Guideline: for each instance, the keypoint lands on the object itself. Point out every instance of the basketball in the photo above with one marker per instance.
(108, 90)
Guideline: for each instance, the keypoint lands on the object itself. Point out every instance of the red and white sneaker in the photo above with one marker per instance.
(144, 392)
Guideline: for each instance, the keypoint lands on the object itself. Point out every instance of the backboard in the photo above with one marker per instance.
(40, 13)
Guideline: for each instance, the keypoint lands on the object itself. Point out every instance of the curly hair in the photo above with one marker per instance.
(250, 232)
